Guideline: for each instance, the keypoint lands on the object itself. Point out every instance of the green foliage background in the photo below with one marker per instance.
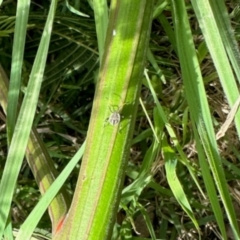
(180, 181)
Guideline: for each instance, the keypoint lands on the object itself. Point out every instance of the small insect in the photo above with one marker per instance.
(114, 117)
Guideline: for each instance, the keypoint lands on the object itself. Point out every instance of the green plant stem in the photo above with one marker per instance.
(98, 190)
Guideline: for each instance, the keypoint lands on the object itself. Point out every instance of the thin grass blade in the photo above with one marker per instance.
(34, 217)
(199, 109)
(17, 62)
(214, 27)
(24, 123)
(170, 165)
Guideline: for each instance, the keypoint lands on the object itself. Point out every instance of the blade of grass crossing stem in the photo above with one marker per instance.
(34, 217)
(25, 119)
(16, 65)
(199, 109)
(171, 160)
(211, 31)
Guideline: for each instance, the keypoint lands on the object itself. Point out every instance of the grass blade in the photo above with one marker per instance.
(199, 109)
(31, 222)
(211, 31)
(17, 62)
(101, 19)
(170, 166)
(24, 122)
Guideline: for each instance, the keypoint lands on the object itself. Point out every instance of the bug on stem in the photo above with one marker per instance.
(114, 117)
